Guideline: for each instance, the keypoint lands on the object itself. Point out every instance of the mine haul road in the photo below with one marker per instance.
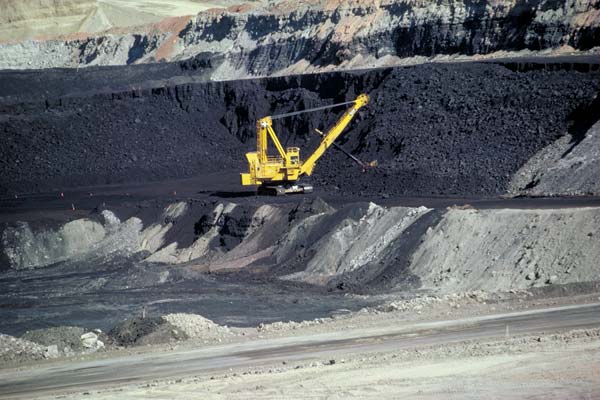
(67, 377)
(79, 202)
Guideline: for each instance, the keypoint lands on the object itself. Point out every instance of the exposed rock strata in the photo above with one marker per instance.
(318, 35)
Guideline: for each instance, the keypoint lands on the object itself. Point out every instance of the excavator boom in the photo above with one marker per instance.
(334, 133)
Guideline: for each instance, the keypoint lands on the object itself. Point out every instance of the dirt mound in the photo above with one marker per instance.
(349, 245)
(26, 249)
(167, 328)
(500, 250)
(74, 241)
(570, 166)
(68, 340)
(63, 337)
(195, 326)
(141, 331)
(15, 350)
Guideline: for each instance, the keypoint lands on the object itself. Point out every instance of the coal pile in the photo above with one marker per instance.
(141, 331)
(437, 129)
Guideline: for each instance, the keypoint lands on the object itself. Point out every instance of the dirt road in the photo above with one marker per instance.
(224, 186)
(76, 377)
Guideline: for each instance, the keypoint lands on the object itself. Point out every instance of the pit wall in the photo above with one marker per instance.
(438, 129)
(318, 36)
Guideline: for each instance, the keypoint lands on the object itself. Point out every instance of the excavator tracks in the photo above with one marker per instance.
(282, 190)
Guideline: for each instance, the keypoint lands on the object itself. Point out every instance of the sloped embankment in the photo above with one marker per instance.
(359, 247)
(569, 167)
(498, 250)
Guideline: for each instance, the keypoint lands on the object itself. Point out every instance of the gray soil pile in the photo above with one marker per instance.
(167, 328)
(360, 247)
(501, 250)
(63, 337)
(68, 340)
(253, 262)
(570, 166)
(13, 349)
(195, 326)
(141, 331)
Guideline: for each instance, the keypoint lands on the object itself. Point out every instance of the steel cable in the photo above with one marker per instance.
(279, 116)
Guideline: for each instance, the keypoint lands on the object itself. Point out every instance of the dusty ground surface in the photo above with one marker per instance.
(434, 364)
(513, 369)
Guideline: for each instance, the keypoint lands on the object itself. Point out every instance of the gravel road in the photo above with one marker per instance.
(79, 376)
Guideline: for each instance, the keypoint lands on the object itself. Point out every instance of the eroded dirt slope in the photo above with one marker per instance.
(357, 247)
(570, 166)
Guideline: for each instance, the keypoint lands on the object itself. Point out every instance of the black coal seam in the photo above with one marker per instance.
(132, 116)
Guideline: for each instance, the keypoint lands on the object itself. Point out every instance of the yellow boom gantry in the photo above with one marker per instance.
(279, 174)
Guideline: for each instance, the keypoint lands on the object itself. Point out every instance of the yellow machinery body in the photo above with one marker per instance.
(287, 167)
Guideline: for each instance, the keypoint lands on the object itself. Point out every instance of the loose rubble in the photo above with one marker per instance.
(195, 326)
(13, 349)
(568, 167)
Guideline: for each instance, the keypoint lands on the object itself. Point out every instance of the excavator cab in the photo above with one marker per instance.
(293, 157)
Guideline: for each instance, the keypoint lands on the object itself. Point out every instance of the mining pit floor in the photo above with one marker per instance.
(59, 295)
(465, 341)
(225, 185)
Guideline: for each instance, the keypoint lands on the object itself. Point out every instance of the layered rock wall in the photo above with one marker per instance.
(317, 35)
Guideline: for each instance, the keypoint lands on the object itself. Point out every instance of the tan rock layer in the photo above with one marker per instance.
(315, 35)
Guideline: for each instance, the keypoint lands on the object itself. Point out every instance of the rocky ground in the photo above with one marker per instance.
(511, 368)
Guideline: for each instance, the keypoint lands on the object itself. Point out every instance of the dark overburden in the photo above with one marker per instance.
(436, 129)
